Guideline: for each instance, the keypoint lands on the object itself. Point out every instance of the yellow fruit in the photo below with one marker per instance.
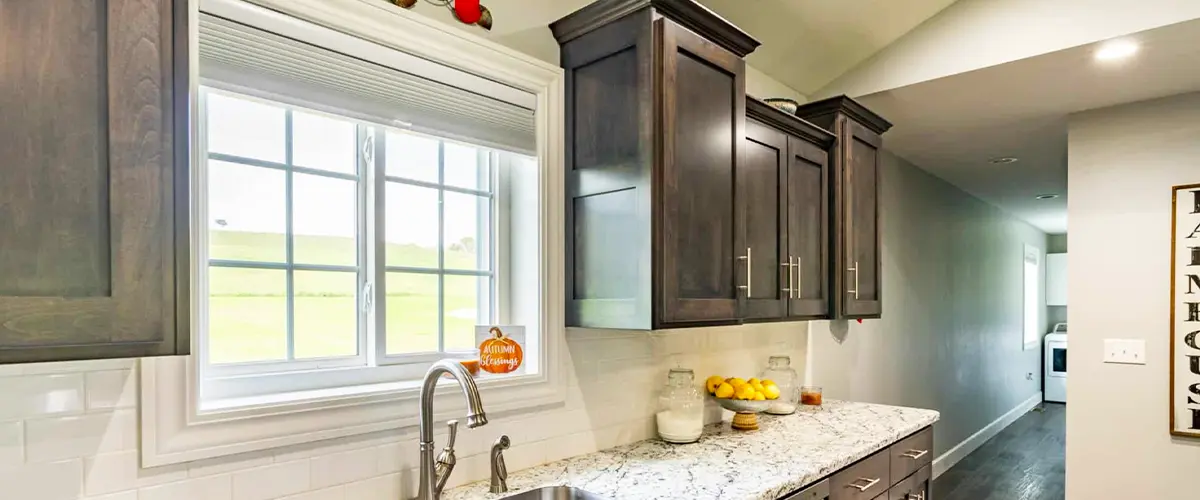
(724, 391)
(756, 385)
(771, 391)
(713, 382)
(745, 392)
(753, 380)
(767, 381)
(758, 396)
(736, 382)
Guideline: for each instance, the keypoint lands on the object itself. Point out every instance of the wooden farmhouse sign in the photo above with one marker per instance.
(1185, 311)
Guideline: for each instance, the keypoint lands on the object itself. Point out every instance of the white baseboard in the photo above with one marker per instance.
(947, 460)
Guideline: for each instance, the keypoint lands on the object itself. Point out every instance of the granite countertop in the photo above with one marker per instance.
(786, 453)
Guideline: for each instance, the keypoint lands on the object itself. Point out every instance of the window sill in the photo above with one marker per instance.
(176, 430)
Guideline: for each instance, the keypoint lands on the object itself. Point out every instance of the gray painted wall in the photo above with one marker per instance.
(951, 334)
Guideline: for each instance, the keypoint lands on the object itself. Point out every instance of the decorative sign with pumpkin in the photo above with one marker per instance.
(498, 352)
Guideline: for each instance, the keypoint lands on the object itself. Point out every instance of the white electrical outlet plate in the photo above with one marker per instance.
(1124, 351)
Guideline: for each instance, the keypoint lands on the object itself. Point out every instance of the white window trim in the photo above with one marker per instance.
(1038, 256)
(174, 431)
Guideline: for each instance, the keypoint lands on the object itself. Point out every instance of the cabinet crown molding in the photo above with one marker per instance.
(687, 13)
(846, 106)
(789, 123)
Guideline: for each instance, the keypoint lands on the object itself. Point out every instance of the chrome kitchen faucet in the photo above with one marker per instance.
(435, 473)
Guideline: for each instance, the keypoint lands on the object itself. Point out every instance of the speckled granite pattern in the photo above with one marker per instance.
(785, 454)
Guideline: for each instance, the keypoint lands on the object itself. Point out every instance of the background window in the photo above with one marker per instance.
(1032, 297)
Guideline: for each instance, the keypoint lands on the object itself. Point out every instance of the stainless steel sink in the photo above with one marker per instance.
(555, 493)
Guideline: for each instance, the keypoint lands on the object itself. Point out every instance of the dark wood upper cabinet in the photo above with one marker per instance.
(856, 250)
(788, 220)
(93, 201)
(655, 126)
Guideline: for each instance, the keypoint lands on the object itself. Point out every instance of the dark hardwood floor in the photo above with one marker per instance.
(1023, 462)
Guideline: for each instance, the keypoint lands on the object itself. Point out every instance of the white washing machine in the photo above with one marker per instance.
(1055, 376)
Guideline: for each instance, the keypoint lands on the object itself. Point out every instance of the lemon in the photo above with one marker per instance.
(736, 382)
(723, 391)
(771, 391)
(767, 381)
(713, 382)
(756, 385)
(745, 392)
(758, 396)
(753, 380)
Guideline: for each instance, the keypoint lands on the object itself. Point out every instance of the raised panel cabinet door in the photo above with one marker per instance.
(93, 167)
(808, 229)
(703, 259)
(762, 210)
(860, 204)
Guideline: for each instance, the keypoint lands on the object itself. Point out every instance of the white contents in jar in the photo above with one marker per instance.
(781, 408)
(675, 426)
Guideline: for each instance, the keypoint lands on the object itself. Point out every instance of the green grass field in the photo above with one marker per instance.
(248, 307)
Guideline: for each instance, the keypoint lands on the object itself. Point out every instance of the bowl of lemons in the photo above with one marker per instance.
(746, 398)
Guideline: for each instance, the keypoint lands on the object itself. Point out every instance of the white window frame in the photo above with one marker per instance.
(175, 430)
(1031, 323)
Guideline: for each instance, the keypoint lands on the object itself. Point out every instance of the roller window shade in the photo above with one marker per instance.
(254, 61)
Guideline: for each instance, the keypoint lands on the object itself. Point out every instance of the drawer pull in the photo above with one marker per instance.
(864, 487)
(918, 496)
(914, 454)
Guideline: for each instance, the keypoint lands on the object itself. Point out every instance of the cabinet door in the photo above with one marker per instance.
(702, 257)
(808, 229)
(89, 223)
(860, 204)
(762, 200)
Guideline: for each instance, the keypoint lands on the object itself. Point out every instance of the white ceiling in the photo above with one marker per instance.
(806, 43)
(952, 126)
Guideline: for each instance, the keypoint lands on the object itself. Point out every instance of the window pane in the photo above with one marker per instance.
(247, 315)
(467, 304)
(412, 226)
(324, 220)
(326, 312)
(466, 239)
(411, 156)
(322, 142)
(246, 213)
(412, 313)
(464, 167)
(246, 128)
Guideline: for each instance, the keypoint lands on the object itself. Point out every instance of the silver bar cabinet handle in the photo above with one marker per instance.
(855, 271)
(787, 266)
(864, 487)
(746, 258)
(914, 454)
(799, 286)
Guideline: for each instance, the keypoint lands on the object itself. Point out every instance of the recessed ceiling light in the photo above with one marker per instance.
(1047, 196)
(1003, 160)
(1116, 49)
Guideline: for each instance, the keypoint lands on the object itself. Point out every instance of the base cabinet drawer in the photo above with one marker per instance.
(911, 453)
(864, 480)
(914, 487)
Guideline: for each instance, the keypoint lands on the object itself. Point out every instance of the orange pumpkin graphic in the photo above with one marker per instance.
(500, 354)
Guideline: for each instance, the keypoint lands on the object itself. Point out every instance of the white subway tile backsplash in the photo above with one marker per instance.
(207, 488)
(388, 487)
(344, 467)
(113, 472)
(58, 438)
(31, 396)
(12, 444)
(76, 423)
(272, 481)
(46, 481)
(111, 389)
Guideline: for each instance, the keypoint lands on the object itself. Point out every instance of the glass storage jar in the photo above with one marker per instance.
(680, 416)
(779, 370)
